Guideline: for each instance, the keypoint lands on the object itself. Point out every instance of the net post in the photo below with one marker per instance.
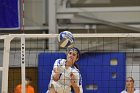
(23, 63)
(5, 69)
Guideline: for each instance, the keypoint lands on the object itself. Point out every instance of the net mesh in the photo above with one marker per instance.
(97, 53)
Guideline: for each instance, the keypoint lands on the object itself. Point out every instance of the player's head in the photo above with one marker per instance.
(73, 54)
(28, 80)
(74, 49)
(129, 82)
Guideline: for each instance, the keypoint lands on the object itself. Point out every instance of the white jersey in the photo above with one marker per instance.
(135, 91)
(63, 84)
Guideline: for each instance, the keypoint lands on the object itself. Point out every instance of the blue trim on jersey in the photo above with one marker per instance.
(73, 67)
(80, 81)
(58, 63)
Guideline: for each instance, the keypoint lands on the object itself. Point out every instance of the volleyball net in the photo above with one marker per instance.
(106, 60)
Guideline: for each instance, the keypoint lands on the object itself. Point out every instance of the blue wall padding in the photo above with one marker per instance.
(9, 14)
(45, 65)
(95, 69)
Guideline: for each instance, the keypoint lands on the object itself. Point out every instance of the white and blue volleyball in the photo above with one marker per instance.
(66, 39)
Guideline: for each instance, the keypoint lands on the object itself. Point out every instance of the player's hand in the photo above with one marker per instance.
(73, 83)
(56, 74)
(72, 77)
(61, 69)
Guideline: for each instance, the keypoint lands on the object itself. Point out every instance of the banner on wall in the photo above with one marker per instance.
(9, 14)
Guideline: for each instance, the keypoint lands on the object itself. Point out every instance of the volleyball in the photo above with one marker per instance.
(66, 39)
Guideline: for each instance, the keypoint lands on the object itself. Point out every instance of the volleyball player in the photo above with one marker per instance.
(28, 88)
(65, 74)
(130, 86)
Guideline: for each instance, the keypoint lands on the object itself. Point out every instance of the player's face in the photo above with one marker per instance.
(129, 83)
(72, 56)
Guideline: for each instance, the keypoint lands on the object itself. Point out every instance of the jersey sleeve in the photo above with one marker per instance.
(59, 62)
(123, 91)
(60, 65)
(79, 83)
(137, 91)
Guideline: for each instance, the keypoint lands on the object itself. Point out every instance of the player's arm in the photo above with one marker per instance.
(56, 74)
(74, 84)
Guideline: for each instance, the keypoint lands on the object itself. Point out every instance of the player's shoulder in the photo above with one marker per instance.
(124, 91)
(18, 86)
(74, 69)
(61, 60)
(30, 86)
(137, 91)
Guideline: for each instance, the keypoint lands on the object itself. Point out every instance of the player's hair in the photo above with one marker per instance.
(76, 65)
(74, 49)
(28, 78)
(131, 79)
